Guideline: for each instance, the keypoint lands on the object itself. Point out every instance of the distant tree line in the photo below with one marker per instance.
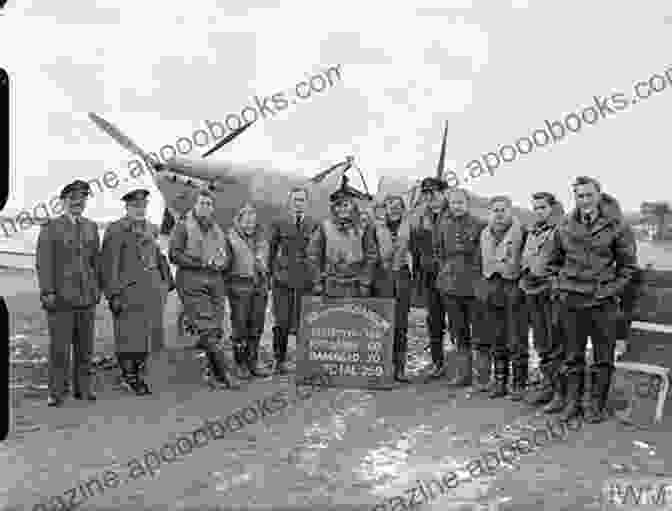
(658, 214)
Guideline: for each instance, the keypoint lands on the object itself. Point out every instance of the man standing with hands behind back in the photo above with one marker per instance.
(68, 271)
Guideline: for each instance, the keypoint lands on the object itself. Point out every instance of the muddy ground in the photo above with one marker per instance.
(334, 449)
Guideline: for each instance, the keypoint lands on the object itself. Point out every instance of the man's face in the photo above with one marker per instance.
(137, 209)
(395, 209)
(343, 209)
(75, 203)
(434, 199)
(204, 207)
(500, 213)
(298, 202)
(458, 204)
(586, 197)
(248, 221)
(542, 209)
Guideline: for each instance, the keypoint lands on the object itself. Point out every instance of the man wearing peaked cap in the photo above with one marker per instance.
(425, 248)
(136, 195)
(342, 254)
(136, 280)
(67, 265)
(77, 186)
(431, 184)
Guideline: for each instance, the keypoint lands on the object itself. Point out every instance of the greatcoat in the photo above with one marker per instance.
(135, 271)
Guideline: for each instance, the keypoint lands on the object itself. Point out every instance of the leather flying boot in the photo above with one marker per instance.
(252, 358)
(596, 411)
(399, 356)
(279, 350)
(483, 369)
(219, 365)
(128, 378)
(543, 393)
(501, 378)
(141, 387)
(463, 375)
(239, 357)
(519, 383)
(437, 358)
(559, 399)
(573, 407)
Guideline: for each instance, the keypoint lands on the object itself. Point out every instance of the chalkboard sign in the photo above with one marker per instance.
(350, 339)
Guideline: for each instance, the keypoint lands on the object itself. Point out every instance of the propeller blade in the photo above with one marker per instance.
(344, 165)
(442, 156)
(227, 139)
(168, 222)
(117, 135)
(361, 174)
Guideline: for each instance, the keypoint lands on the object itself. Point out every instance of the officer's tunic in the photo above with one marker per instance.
(68, 265)
(289, 269)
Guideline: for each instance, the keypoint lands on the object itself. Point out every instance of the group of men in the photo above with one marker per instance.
(491, 279)
(74, 271)
(566, 275)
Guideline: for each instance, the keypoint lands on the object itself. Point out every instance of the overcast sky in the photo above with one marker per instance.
(496, 70)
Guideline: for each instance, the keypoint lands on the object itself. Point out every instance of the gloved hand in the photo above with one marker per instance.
(318, 289)
(49, 302)
(116, 307)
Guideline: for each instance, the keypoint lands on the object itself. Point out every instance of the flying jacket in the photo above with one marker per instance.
(595, 262)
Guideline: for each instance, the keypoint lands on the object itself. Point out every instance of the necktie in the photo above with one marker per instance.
(299, 220)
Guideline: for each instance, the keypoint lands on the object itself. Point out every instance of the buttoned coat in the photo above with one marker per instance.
(134, 271)
(288, 261)
(66, 267)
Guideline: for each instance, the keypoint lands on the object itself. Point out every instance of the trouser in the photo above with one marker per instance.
(248, 315)
(203, 295)
(286, 311)
(506, 333)
(342, 288)
(549, 340)
(598, 323)
(397, 286)
(464, 315)
(132, 365)
(436, 318)
(74, 327)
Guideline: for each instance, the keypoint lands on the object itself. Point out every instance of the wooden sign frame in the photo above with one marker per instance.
(349, 339)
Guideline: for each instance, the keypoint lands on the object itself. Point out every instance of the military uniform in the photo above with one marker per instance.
(199, 249)
(457, 280)
(596, 258)
(425, 247)
(68, 272)
(248, 284)
(342, 254)
(502, 299)
(549, 340)
(290, 278)
(393, 280)
(136, 278)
